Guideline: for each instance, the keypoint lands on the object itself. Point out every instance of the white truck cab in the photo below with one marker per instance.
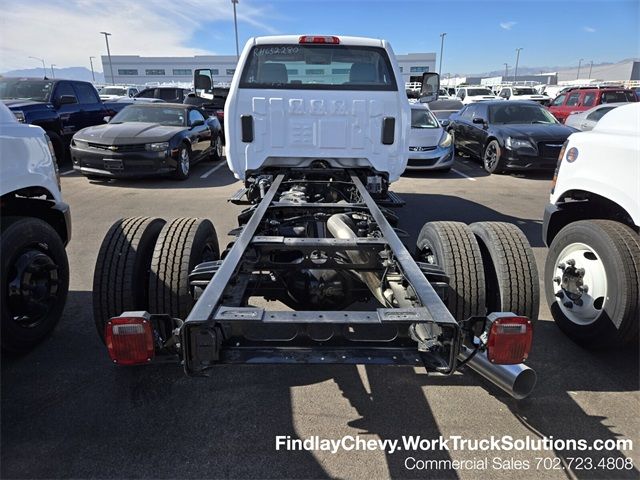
(295, 100)
(592, 226)
(35, 226)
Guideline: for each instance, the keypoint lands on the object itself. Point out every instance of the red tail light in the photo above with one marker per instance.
(509, 340)
(220, 114)
(129, 338)
(318, 39)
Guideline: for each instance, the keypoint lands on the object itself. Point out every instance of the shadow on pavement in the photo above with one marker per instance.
(434, 207)
(67, 406)
(219, 178)
(474, 169)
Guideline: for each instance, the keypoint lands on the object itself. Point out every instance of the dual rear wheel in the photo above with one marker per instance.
(490, 265)
(144, 264)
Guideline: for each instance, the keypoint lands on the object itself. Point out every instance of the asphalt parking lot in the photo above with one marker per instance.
(67, 412)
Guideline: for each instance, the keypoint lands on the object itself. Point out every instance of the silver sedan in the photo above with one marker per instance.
(586, 120)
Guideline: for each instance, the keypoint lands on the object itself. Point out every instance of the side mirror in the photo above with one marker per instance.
(107, 119)
(479, 120)
(203, 79)
(67, 100)
(430, 87)
(197, 123)
(445, 123)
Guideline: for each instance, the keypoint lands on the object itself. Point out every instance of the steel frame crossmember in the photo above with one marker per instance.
(202, 330)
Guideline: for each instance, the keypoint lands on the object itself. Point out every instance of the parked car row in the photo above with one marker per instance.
(522, 134)
(65, 107)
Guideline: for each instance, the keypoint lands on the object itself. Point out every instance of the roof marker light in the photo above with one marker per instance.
(319, 39)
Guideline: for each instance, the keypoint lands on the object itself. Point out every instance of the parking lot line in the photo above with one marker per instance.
(463, 175)
(209, 172)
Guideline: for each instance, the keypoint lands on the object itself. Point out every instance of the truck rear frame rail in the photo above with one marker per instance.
(221, 328)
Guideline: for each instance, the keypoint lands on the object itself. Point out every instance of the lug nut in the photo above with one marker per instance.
(568, 304)
(580, 272)
(557, 280)
(583, 288)
(571, 262)
(560, 294)
(562, 266)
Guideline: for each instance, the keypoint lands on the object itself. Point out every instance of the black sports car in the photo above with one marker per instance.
(509, 134)
(147, 139)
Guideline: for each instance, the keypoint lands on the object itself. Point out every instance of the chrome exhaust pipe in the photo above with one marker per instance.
(338, 225)
(517, 380)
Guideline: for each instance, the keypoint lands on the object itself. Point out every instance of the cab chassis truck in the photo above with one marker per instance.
(320, 237)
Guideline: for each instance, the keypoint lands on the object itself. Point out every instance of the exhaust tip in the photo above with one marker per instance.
(524, 384)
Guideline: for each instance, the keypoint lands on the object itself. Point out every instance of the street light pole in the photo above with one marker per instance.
(53, 74)
(579, 64)
(44, 67)
(93, 75)
(590, 67)
(506, 71)
(515, 74)
(235, 25)
(106, 38)
(442, 35)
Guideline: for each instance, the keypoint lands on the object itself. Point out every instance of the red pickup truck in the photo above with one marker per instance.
(580, 99)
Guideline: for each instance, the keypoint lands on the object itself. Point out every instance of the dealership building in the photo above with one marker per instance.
(136, 70)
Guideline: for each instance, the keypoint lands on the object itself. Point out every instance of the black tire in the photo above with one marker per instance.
(492, 157)
(453, 247)
(121, 275)
(182, 244)
(183, 165)
(34, 282)
(616, 248)
(510, 271)
(216, 153)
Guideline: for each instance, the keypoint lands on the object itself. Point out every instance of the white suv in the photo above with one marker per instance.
(524, 93)
(114, 92)
(592, 272)
(469, 95)
(35, 226)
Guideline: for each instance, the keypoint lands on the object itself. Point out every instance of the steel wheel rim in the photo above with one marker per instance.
(580, 307)
(184, 161)
(491, 156)
(219, 147)
(32, 287)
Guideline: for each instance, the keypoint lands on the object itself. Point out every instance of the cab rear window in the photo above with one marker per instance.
(318, 67)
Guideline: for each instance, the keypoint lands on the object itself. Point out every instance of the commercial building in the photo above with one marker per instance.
(136, 70)
(627, 70)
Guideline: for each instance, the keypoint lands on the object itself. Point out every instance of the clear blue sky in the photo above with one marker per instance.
(481, 35)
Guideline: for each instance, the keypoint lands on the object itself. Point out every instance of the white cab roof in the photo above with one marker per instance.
(295, 40)
(621, 120)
